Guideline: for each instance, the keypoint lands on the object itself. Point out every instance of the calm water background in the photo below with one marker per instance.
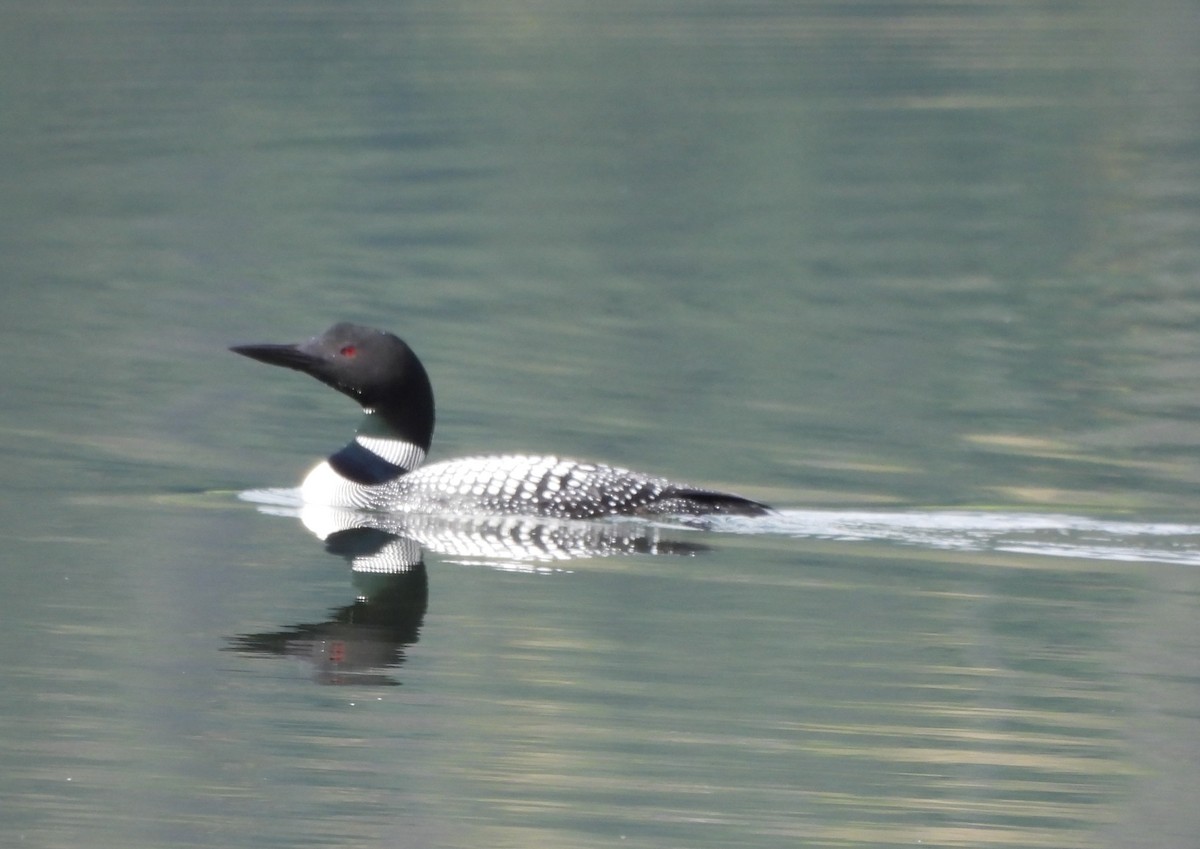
(916, 272)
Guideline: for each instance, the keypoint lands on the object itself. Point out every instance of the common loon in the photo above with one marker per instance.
(381, 468)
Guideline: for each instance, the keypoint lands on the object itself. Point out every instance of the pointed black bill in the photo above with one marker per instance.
(288, 356)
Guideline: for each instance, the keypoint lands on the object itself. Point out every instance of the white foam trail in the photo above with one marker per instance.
(1049, 535)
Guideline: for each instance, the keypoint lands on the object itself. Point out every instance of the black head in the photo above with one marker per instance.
(375, 368)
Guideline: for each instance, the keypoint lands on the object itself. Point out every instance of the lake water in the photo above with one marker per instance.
(925, 277)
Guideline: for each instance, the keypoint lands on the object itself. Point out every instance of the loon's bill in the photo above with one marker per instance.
(383, 469)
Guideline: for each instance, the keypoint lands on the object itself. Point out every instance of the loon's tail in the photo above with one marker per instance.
(689, 501)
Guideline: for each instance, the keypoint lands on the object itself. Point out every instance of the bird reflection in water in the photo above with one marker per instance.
(362, 642)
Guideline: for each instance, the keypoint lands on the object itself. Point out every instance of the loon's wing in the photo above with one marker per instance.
(514, 484)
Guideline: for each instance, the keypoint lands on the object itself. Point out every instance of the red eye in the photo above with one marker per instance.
(348, 351)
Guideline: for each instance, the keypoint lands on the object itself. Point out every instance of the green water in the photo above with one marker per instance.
(922, 276)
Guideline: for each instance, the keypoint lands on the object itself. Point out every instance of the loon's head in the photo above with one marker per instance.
(375, 368)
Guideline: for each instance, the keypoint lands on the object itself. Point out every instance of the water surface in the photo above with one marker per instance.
(923, 277)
